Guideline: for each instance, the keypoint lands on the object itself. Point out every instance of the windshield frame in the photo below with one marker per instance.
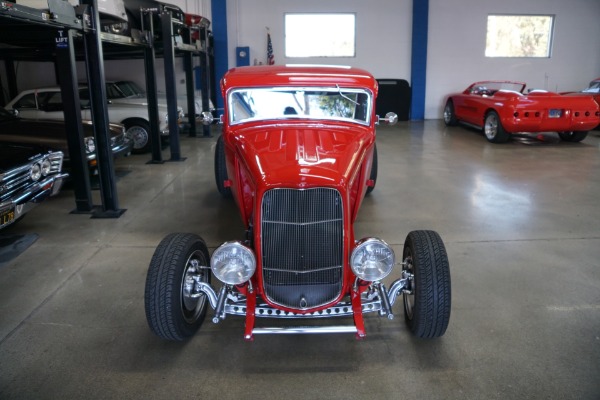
(342, 91)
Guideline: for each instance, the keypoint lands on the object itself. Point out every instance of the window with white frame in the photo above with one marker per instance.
(320, 35)
(519, 35)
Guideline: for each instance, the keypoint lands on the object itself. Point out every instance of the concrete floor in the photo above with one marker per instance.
(520, 221)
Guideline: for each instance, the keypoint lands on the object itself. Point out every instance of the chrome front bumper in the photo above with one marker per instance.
(376, 299)
(27, 199)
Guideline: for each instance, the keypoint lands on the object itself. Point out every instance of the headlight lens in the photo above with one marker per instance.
(90, 145)
(372, 259)
(46, 167)
(233, 263)
(36, 172)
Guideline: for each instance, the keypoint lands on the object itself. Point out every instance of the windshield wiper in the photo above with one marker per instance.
(344, 96)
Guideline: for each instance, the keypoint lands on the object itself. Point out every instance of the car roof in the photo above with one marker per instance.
(298, 75)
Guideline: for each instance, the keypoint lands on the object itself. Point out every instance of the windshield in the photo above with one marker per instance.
(123, 89)
(593, 88)
(352, 105)
(483, 87)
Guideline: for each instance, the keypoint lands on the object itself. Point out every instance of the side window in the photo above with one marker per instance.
(111, 92)
(53, 102)
(27, 101)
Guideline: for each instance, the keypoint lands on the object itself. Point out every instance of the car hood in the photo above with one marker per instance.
(303, 155)
(14, 155)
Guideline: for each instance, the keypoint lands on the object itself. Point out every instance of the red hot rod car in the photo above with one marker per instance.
(502, 107)
(297, 155)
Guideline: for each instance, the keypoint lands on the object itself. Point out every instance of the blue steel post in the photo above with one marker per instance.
(418, 65)
(219, 15)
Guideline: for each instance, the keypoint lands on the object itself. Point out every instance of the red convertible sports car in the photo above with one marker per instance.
(298, 156)
(502, 107)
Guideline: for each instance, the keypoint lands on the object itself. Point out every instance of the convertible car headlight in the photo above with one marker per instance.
(233, 263)
(372, 259)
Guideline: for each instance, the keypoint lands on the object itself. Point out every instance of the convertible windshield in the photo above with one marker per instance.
(353, 105)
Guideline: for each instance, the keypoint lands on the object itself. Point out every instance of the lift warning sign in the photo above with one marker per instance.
(62, 40)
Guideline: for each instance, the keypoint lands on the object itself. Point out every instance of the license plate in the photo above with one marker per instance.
(554, 113)
(7, 216)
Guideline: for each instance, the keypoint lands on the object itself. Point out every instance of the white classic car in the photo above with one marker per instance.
(123, 91)
(47, 104)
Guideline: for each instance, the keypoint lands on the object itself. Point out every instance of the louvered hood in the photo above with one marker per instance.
(302, 155)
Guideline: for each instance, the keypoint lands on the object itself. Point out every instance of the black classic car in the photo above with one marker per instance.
(52, 135)
(28, 175)
(135, 21)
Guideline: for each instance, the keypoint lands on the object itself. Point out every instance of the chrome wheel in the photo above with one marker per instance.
(491, 126)
(139, 136)
(493, 129)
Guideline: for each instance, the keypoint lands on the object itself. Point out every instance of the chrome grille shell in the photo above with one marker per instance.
(302, 243)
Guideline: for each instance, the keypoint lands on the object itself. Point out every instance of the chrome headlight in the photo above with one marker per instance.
(36, 172)
(372, 259)
(233, 263)
(46, 167)
(90, 145)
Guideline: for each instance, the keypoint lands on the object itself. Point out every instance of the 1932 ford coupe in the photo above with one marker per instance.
(297, 155)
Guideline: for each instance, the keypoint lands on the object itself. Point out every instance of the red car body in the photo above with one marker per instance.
(298, 156)
(592, 90)
(501, 108)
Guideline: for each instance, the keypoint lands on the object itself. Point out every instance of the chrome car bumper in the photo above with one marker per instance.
(377, 299)
(27, 199)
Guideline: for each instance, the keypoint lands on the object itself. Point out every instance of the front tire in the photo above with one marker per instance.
(449, 114)
(493, 129)
(172, 313)
(572, 136)
(428, 300)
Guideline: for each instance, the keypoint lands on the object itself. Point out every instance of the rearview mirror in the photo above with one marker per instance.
(207, 118)
(390, 119)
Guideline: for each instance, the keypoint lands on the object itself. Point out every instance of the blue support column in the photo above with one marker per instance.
(219, 23)
(418, 65)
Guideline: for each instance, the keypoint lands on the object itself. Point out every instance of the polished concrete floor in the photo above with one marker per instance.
(521, 223)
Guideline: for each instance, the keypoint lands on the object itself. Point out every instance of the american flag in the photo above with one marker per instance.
(270, 56)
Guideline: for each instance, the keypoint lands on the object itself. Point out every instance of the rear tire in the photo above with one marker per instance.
(493, 129)
(171, 313)
(572, 136)
(221, 168)
(427, 307)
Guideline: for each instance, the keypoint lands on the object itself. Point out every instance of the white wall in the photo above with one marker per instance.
(455, 55)
(383, 32)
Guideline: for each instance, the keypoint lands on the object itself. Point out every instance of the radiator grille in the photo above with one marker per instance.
(302, 246)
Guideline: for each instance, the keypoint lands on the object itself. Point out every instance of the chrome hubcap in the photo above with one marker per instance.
(139, 136)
